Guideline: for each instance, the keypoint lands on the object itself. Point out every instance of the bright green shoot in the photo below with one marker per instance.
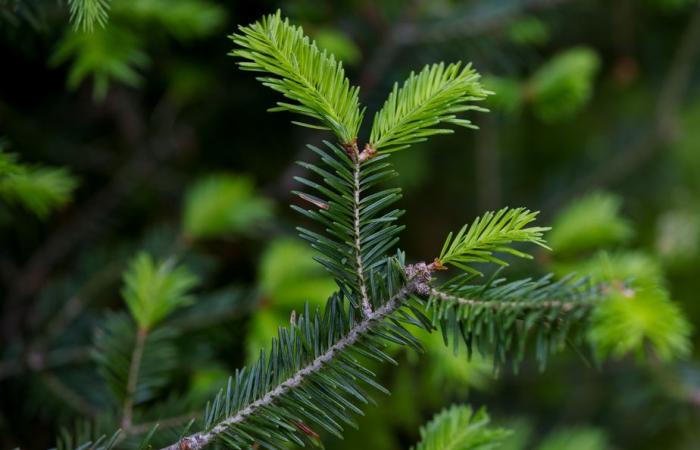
(460, 428)
(494, 232)
(153, 290)
(310, 77)
(319, 89)
(432, 97)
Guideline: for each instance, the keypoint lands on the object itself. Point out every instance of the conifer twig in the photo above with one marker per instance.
(202, 439)
(134, 369)
(550, 304)
(366, 305)
(418, 281)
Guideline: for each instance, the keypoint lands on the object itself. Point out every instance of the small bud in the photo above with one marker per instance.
(367, 153)
(420, 274)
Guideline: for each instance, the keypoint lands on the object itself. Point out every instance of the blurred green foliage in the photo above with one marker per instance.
(639, 316)
(221, 205)
(115, 51)
(288, 276)
(451, 369)
(678, 237)
(575, 439)
(459, 428)
(105, 55)
(557, 90)
(563, 85)
(153, 290)
(631, 319)
(508, 93)
(40, 189)
(529, 30)
(591, 222)
(338, 44)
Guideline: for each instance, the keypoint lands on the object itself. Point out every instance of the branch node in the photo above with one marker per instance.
(194, 442)
(421, 274)
(351, 149)
(367, 153)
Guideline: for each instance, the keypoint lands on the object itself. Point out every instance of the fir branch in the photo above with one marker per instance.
(489, 234)
(499, 317)
(432, 97)
(266, 416)
(152, 289)
(559, 305)
(134, 364)
(357, 332)
(312, 78)
(357, 230)
(354, 335)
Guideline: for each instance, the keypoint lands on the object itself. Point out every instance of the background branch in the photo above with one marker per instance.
(662, 130)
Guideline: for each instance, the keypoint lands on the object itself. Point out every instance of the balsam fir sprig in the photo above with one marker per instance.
(314, 376)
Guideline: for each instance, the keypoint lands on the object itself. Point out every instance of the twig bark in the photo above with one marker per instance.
(132, 382)
(550, 304)
(359, 266)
